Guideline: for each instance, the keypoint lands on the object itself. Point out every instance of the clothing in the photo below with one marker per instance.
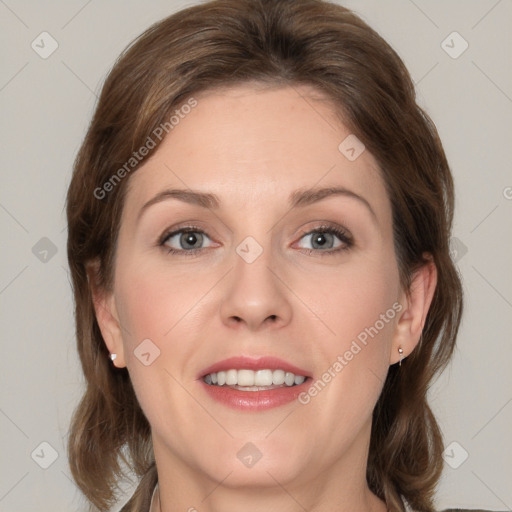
(152, 505)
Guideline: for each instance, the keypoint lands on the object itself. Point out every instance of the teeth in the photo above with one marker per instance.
(231, 377)
(254, 379)
(263, 378)
(299, 379)
(278, 377)
(245, 378)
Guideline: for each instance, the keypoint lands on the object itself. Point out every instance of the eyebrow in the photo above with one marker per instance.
(298, 198)
(305, 197)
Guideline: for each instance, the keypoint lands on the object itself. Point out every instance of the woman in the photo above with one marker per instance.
(259, 219)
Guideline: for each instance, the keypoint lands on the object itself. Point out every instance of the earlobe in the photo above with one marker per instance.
(106, 315)
(417, 301)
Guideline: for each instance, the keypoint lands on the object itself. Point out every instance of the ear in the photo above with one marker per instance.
(106, 314)
(416, 302)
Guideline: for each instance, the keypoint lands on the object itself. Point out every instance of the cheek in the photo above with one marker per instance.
(355, 359)
(356, 304)
(359, 306)
(166, 306)
(152, 304)
(141, 309)
(152, 300)
(353, 298)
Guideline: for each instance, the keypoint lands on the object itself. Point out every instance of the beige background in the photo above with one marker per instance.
(46, 105)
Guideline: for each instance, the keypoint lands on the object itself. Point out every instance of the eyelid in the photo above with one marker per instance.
(328, 227)
(178, 229)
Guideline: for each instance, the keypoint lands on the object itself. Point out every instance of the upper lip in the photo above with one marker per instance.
(250, 363)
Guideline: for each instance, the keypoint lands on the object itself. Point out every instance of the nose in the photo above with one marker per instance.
(256, 296)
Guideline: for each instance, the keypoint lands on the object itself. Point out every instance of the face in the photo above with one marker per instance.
(266, 267)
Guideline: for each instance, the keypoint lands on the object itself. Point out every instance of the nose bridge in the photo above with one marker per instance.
(256, 295)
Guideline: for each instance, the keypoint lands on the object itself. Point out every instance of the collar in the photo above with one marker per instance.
(406, 505)
(152, 504)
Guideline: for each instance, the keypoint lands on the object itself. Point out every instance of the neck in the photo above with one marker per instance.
(341, 487)
(371, 504)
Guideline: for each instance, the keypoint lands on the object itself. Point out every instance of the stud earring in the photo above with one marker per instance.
(113, 357)
(401, 352)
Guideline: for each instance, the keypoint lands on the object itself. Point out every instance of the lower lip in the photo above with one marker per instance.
(254, 400)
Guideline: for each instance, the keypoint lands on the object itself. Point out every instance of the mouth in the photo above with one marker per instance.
(254, 384)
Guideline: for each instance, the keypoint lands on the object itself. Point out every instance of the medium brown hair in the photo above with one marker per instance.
(277, 42)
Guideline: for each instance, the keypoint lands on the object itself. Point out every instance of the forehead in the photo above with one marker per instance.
(250, 143)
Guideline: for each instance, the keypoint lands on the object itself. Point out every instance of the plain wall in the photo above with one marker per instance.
(46, 105)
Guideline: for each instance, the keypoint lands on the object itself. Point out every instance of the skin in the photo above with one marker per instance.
(252, 146)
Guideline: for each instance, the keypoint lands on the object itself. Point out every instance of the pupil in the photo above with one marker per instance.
(190, 238)
(320, 239)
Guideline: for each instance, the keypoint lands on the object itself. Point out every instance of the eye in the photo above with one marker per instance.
(187, 241)
(327, 240)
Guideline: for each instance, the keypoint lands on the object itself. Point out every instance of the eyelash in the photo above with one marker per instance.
(342, 235)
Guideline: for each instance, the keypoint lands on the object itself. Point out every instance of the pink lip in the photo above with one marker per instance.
(254, 400)
(247, 363)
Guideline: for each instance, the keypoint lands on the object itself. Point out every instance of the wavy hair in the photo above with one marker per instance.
(275, 42)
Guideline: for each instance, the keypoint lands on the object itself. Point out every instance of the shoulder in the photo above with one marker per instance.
(409, 509)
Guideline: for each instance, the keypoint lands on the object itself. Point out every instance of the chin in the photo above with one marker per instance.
(257, 463)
